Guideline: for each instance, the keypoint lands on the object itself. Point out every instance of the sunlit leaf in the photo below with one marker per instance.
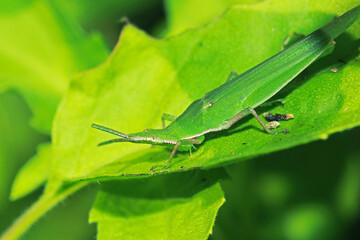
(145, 77)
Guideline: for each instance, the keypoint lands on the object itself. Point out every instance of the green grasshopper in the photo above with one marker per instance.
(220, 108)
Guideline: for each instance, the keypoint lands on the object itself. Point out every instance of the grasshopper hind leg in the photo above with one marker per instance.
(266, 129)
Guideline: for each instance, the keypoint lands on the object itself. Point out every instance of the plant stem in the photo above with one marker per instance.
(47, 201)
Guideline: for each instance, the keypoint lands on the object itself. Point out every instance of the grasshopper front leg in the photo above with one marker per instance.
(170, 158)
(188, 143)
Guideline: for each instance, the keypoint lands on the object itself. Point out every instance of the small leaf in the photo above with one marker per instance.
(178, 206)
(17, 143)
(33, 174)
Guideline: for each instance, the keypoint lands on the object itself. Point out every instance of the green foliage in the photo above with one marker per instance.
(165, 76)
(18, 142)
(41, 49)
(178, 206)
(145, 77)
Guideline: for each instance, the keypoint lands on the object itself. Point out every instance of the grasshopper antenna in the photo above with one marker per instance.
(111, 131)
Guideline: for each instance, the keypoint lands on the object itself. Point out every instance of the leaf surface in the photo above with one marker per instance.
(145, 77)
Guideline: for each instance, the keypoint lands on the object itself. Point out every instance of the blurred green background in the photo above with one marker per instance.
(307, 192)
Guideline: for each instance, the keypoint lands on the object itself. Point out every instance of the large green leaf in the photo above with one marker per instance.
(179, 206)
(39, 51)
(145, 77)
